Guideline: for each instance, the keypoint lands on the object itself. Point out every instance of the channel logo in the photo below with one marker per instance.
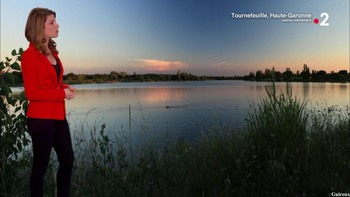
(323, 21)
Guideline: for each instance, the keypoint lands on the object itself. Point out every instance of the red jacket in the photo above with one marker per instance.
(45, 93)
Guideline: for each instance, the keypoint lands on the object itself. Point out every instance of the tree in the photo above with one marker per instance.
(113, 76)
(343, 72)
(71, 77)
(123, 74)
(305, 74)
(287, 75)
(322, 73)
(259, 75)
(268, 73)
(81, 78)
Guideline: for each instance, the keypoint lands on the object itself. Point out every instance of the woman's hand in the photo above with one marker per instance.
(72, 89)
(70, 92)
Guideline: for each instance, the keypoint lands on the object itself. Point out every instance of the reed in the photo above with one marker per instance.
(275, 144)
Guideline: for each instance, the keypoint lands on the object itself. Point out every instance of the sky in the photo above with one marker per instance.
(202, 37)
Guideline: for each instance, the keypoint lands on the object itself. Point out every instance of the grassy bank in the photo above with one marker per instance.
(284, 149)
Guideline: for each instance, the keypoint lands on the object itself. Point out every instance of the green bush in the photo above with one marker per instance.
(14, 138)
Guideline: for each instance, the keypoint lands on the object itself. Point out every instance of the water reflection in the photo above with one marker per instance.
(306, 90)
(192, 106)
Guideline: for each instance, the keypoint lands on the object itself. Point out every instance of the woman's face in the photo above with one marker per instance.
(51, 27)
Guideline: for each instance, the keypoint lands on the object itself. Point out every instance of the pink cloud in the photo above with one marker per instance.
(161, 65)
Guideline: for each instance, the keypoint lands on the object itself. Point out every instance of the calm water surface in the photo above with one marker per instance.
(184, 108)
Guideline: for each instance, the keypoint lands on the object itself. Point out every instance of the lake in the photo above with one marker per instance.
(155, 110)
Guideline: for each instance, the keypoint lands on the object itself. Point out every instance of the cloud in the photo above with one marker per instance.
(161, 65)
(222, 64)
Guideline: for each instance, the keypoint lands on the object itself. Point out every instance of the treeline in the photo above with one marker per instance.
(114, 76)
(304, 76)
(268, 75)
(15, 78)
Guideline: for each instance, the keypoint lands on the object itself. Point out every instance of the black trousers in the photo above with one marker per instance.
(47, 134)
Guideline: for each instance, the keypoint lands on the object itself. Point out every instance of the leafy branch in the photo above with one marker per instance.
(13, 136)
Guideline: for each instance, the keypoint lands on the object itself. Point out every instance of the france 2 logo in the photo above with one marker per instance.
(324, 19)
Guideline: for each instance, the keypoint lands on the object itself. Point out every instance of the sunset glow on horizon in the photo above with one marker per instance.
(161, 65)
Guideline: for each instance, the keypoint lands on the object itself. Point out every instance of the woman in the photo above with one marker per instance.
(42, 75)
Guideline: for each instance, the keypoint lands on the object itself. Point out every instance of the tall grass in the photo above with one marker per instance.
(275, 145)
(329, 150)
(284, 149)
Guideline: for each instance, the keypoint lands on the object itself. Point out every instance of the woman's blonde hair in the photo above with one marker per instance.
(34, 30)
